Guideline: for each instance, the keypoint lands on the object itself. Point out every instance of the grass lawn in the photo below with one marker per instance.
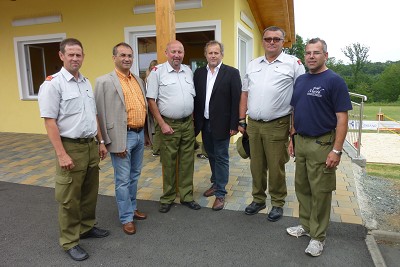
(392, 111)
(384, 170)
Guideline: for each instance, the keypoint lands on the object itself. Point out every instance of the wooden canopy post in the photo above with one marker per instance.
(165, 26)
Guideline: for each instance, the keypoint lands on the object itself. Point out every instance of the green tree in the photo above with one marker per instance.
(336, 65)
(358, 56)
(298, 48)
(387, 88)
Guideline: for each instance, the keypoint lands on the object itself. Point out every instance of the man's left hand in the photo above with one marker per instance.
(102, 151)
(332, 160)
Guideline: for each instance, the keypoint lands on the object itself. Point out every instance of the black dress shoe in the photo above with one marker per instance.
(275, 214)
(164, 208)
(254, 208)
(95, 233)
(77, 253)
(191, 205)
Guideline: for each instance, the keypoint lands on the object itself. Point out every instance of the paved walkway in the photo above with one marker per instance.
(29, 159)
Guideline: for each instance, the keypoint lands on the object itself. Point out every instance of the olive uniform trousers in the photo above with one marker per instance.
(314, 183)
(177, 158)
(268, 152)
(76, 191)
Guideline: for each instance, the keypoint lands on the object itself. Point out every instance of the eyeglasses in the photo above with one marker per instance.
(275, 39)
(315, 53)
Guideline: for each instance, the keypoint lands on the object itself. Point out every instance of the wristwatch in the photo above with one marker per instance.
(337, 152)
(101, 141)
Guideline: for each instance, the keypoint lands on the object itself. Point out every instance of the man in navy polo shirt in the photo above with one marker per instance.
(321, 102)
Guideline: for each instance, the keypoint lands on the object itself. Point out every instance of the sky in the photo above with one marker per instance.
(374, 24)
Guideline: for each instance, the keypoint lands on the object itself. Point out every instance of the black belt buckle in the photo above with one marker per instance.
(323, 143)
(136, 130)
(78, 140)
(176, 120)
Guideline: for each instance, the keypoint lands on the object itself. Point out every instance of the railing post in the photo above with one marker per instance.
(357, 144)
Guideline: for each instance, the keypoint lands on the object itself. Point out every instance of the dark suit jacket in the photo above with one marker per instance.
(224, 101)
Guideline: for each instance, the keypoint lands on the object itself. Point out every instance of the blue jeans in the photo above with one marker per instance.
(218, 157)
(126, 173)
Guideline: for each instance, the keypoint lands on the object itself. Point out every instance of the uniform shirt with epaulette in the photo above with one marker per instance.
(70, 102)
(270, 86)
(173, 91)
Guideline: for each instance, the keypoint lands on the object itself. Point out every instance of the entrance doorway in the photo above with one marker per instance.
(193, 35)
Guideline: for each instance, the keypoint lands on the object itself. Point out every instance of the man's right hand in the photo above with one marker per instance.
(121, 154)
(66, 162)
(241, 129)
(166, 129)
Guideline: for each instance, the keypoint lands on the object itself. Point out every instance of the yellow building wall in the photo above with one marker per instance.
(242, 5)
(99, 25)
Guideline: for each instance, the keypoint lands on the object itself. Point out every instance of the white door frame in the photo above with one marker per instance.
(247, 37)
(133, 33)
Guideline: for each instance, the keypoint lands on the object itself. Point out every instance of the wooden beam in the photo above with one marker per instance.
(287, 26)
(165, 26)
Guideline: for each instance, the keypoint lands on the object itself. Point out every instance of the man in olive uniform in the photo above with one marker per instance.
(266, 93)
(67, 105)
(170, 94)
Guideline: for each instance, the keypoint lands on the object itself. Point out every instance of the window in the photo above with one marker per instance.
(245, 49)
(36, 57)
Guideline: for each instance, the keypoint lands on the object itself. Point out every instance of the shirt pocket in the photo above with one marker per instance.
(252, 77)
(166, 88)
(71, 103)
(283, 70)
(189, 81)
(92, 101)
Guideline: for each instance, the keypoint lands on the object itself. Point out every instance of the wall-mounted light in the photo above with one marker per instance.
(37, 20)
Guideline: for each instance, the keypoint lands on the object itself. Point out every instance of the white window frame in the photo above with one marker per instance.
(247, 37)
(21, 60)
(133, 33)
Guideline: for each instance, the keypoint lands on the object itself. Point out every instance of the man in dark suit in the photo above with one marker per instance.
(122, 112)
(216, 115)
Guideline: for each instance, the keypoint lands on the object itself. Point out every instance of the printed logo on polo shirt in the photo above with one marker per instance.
(315, 91)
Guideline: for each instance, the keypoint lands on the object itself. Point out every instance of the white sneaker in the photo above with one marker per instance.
(315, 247)
(297, 231)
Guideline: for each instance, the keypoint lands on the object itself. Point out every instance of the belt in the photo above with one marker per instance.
(77, 140)
(327, 143)
(271, 120)
(177, 120)
(131, 129)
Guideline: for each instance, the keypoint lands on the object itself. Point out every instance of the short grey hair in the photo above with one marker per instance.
(274, 29)
(316, 40)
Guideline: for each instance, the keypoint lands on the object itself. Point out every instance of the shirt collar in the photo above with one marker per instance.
(122, 75)
(68, 76)
(171, 69)
(279, 58)
(217, 67)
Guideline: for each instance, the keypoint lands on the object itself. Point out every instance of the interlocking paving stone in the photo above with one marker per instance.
(29, 159)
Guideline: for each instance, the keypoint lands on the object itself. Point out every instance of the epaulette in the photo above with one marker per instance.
(299, 62)
(154, 68)
(49, 78)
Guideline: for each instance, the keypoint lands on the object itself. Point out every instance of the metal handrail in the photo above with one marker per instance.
(357, 144)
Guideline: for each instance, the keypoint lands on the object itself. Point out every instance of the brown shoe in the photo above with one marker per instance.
(139, 215)
(218, 203)
(129, 228)
(209, 192)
